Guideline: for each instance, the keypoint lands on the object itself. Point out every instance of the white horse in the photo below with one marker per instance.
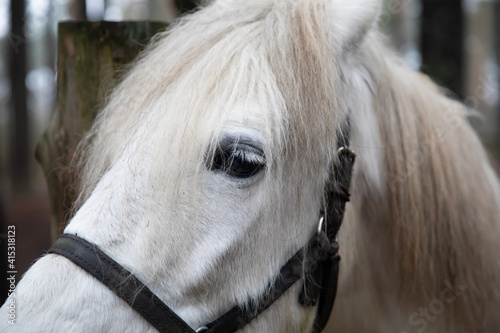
(270, 83)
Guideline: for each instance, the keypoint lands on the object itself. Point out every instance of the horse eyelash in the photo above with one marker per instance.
(249, 157)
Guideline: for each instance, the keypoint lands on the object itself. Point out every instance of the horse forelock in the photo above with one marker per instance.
(183, 88)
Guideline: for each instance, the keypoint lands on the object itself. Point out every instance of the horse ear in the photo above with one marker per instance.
(349, 21)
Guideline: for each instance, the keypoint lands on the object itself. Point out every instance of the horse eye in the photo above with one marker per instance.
(238, 163)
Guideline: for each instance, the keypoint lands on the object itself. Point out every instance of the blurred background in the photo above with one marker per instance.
(456, 42)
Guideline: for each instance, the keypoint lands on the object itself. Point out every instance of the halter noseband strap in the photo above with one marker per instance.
(123, 283)
(317, 262)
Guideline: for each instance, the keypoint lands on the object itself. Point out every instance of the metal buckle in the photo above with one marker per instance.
(201, 329)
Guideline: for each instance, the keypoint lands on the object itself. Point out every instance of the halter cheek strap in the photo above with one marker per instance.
(320, 282)
(317, 262)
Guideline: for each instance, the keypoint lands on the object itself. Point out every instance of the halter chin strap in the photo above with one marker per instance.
(317, 262)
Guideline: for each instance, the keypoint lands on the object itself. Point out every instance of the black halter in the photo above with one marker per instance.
(317, 262)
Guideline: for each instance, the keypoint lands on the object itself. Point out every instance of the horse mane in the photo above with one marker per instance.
(441, 206)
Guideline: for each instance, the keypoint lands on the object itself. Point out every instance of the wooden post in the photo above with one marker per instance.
(89, 55)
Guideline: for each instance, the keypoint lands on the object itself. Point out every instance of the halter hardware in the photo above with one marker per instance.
(320, 224)
(317, 263)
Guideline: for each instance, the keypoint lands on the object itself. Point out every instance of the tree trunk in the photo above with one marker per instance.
(89, 55)
(78, 9)
(19, 139)
(187, 5)
(442, 41)
(4, 283)
(496, 33)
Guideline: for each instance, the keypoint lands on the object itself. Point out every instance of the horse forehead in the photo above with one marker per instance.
(248, 119)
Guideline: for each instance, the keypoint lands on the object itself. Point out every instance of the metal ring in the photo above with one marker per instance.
(351, 154)
(320, 224)
(201, 329)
